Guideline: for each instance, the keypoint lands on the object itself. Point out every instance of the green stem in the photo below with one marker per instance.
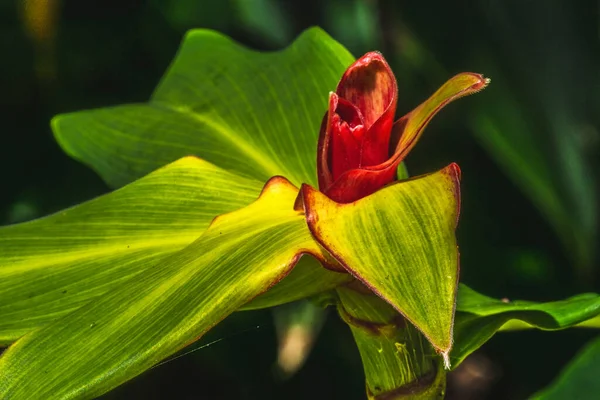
(398, 361)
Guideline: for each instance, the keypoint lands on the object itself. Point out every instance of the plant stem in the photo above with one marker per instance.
(398, 361)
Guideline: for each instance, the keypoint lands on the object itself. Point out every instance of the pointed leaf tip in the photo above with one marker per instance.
(446, 358)
(400, 243)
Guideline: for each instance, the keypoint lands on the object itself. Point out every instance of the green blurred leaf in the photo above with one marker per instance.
(257, 114)
(479, 317)
(297, 326)
(398, 361)
(354, 23)
(552, 175)
(400, 243)
(579, 379)
(171, 305)
(53, 265)
(187, 14)
(265, 18)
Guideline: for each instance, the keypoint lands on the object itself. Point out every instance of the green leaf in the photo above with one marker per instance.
(257, 114)
(579, 379)
(400, 243)
(53, 265)
(398, 361)
(479, 317)
(306, 279)
(153, 315)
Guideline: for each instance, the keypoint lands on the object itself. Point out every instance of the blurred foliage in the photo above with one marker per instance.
(579, 379)
(528, 148)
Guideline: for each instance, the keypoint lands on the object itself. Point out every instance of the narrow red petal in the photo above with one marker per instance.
(344, 153)
(346, 131)
(376, 142)
(340, 138)
(323, 172)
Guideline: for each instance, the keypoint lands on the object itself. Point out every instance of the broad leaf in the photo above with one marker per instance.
(257, 114)
(151, 316)
(479, 317)
(400, 243)
(579, 379)
(52, 265)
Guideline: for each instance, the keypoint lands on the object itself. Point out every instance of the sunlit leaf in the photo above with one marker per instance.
(53, 265)
(400, 243)
(151, 316)
(306, 279)
(257, 114)
(479, 317)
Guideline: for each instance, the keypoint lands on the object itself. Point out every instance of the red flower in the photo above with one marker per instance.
(360, 147)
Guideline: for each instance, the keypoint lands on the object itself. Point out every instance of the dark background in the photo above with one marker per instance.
(539, 114)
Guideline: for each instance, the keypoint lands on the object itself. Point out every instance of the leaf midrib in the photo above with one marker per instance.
(99, 250)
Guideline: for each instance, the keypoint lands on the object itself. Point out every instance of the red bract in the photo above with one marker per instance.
(360, 147)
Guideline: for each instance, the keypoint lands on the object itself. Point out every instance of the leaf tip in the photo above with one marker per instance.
(472, 82)
(446, 357)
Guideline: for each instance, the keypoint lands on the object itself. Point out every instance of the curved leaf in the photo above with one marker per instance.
(153, 315)
(400, 243)
(306, 279)
(257, 114)
(479, 317)
(52, 265)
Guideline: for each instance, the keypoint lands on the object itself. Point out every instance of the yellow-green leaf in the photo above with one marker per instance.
(257, 114)
(400, 243)
(169, 306)
(306, 279)
(53, 265)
